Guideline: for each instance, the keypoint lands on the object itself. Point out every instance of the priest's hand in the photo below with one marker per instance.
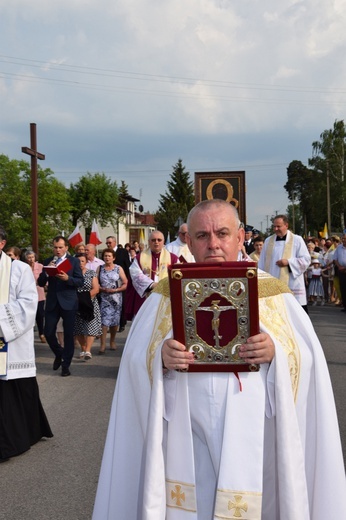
(258, 349)
(282, 263)
(175, 356)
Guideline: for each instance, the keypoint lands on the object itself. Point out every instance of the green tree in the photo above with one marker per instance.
(15, 201)
(329, 161)
(176, 202)
(295, 218)
(300, 188)
(123, 194)
(94, 196)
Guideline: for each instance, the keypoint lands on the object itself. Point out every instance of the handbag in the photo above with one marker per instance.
(85, 306)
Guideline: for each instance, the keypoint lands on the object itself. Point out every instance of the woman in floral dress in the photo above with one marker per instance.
(113, 283)
(85, 330)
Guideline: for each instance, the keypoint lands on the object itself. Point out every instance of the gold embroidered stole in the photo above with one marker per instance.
(287, 253)
(146, 263)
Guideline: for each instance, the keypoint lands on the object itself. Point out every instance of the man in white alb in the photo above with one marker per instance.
(285, 256)
(179, 246)
(197, 446)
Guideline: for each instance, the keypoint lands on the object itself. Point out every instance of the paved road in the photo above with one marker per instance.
(57, 478)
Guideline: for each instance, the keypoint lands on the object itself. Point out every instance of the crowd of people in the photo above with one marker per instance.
(100, 294)
(190, 431)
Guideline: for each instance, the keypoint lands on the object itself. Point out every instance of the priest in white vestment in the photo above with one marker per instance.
(179, 246)
(203, 446)
(285, 256)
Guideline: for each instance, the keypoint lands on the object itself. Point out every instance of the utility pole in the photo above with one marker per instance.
(328, 201)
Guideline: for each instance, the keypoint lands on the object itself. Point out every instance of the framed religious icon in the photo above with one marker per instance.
(229, 186)
(214, 311)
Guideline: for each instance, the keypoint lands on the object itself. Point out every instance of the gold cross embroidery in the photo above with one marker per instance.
(238, 506)
(177, 495)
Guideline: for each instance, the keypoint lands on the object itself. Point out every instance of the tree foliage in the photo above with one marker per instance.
(15, 201)
(94, 196)
(307, 186)
(176, 202)
(123, 194)
(329, 159)
(299, 186)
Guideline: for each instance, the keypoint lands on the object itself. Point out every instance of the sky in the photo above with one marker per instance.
(128, 87)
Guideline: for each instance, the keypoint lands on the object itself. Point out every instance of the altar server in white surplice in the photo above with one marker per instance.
(285, 256)
(22, 418)
(203, 446)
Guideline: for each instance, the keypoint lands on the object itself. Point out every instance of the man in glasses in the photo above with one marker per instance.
(147, 269)
(179, 246)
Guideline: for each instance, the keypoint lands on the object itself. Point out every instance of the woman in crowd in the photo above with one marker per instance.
(113, 283)
(36, 267)
(128, 247)
(88, 319)
(132, 254)
(80, 248)
(14, 253)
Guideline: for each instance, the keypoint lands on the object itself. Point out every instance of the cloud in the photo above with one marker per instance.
(131, 86)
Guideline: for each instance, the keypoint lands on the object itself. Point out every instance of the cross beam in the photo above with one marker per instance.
(32, 151)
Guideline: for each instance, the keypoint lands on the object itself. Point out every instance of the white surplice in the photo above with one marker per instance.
(178, 247)
(17, 320)
(193, 446)
(298, 260)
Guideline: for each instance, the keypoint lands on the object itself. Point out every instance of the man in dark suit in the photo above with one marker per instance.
(61, 302)
(248, 242)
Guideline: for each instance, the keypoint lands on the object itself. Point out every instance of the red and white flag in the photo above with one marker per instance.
(95, 235)
(75, 237)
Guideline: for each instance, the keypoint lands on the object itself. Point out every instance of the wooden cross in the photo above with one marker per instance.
(32, 151)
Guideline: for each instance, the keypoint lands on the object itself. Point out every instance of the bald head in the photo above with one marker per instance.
(182, 233)
(156, 241)
(90, 251)
(214, 234)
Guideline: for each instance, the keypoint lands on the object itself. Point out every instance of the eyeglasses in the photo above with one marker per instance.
(156, 239)
(182, 233)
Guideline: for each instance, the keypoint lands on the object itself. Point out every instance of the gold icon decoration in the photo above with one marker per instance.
(214, 312)
(210, 308)
(229, 191)
(228, 186)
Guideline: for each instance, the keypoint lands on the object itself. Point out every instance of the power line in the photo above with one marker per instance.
(170, 81)
(165, 78)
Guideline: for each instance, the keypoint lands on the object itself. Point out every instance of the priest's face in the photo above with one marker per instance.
(183, 233)
(156, 242)
(214, 235)
(280, 227)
